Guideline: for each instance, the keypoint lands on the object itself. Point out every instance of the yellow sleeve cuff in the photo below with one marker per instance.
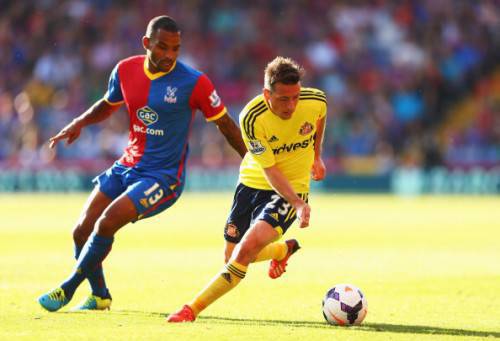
(112, 103)
(219, 115)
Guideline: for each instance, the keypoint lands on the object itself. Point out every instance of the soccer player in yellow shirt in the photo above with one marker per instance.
(283, 129)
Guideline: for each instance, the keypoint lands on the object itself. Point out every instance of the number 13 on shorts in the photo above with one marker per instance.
(154, 193)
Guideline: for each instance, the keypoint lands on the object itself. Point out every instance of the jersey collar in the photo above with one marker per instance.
(156, 75)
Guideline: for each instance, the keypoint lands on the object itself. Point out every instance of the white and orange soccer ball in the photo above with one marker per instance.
(344, 305)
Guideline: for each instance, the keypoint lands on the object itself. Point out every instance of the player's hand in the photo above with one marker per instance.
(318, 170)
(71, 132)
(303, 214)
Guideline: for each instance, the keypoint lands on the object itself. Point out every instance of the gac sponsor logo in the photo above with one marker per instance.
(147, 115)
(293, 146)
(149, 131)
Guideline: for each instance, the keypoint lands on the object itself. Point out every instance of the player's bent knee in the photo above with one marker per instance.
(80, 234)
(248, 251)
(106, 227)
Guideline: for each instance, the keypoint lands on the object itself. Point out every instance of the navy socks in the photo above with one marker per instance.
(89, 266)
(96, 277)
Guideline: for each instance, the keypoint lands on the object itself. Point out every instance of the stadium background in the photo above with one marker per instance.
(413, 86)
(414, 92)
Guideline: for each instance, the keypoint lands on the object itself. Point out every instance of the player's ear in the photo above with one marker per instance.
(267, 94)
(146, 43)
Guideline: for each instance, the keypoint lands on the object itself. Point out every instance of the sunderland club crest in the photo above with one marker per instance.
(306, 128)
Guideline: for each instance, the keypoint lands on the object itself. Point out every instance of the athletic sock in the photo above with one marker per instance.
(94, 251)
(96, 278)
(272, 251)
(227, 279)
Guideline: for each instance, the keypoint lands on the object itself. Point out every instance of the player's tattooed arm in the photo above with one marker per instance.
(232, 133)
(96, 113)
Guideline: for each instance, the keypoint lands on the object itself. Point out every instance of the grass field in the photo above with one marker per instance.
(430, 268)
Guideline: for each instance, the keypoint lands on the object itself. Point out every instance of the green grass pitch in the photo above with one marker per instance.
(429, 266)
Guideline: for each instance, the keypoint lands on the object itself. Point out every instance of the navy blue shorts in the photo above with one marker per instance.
(150, 194)
(251, 205)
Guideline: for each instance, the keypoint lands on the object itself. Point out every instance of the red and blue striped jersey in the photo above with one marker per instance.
(161, 108)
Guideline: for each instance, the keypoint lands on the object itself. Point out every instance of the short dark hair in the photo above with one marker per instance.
(163, 22)
(282, 70)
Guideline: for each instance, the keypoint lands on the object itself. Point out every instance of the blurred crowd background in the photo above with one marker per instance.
(409, 83)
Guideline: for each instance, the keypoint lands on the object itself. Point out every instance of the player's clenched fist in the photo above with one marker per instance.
(318, 170)
(304, 213)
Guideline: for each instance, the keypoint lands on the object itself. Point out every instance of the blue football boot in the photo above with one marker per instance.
(94, 302)
(53, 300)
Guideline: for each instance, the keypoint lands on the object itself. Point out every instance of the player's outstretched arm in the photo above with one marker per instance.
(96, 113)
(281, 185)
(232, 133)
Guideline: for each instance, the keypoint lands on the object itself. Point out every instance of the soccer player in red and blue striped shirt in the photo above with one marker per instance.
(162, 95)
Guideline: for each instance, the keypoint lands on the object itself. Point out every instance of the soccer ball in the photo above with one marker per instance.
(344, 305)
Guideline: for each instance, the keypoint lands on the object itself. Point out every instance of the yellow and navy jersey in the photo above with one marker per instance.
(289, 144)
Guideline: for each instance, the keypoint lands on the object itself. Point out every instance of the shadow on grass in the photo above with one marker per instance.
(369, 327)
